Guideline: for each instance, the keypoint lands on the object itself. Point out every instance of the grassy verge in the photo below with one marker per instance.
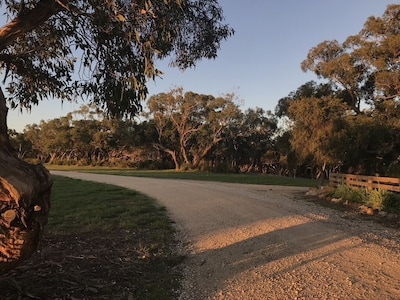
(206, 176)
(102, 242)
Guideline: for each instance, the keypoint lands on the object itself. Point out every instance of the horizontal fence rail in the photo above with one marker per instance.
(368, 182)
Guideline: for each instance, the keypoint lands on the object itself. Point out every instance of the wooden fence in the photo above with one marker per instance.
(368, 182)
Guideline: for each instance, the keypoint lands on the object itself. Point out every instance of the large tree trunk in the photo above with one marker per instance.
(172, 153)
(24, 201)
(202, 153)
(174, 158)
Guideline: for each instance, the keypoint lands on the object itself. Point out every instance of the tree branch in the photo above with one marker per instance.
(26, 22)
(5, 144)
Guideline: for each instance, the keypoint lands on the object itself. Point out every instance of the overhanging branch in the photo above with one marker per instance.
(28, 21)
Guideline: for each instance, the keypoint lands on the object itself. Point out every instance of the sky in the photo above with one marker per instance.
(260, 64)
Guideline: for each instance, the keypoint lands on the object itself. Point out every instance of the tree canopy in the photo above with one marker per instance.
(102, 50)
(189, 125)
(365, 65)
(318, 125)
(363, 73)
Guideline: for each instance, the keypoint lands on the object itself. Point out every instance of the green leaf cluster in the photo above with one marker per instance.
(102, 50)
(350, 122)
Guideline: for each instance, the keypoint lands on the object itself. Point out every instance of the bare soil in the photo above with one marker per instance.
(270, 242)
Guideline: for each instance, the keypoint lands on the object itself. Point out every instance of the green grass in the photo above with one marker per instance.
(205, 176)
(101, 242)
(80, 206)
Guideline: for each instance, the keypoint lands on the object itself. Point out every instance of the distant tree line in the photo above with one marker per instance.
(189, 131)
(181, 130)
(350, 122)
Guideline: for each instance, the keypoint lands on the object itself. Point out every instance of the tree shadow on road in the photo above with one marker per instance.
(271, 255)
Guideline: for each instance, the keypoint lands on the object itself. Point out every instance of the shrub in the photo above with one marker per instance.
(384, 200)
(349, 194)
(391, 203)
(376, 199)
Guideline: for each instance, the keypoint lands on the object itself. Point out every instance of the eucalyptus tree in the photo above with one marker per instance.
(190, 125)
(53, 139)
(373, 140)
(364, 69)
(21, 144)
(370, 145)
(318, 125)
(288, 160)
(112, 45)
(377, 45)
(310, 89)
(253, 139)
(365, 66)
(342, 67)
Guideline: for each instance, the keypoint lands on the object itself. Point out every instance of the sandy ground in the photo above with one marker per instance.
(266, 242)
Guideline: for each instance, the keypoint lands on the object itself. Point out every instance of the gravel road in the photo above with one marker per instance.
(250, 242)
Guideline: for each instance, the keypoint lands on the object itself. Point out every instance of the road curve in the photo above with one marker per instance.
(263, 242)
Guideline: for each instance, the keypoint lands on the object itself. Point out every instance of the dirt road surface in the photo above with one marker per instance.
(250, 242)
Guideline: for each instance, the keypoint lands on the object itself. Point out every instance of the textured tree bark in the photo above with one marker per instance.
(24, 201)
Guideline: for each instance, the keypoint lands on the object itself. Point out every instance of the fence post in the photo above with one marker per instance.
(369, 184)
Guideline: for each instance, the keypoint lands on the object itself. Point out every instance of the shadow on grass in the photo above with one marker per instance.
(102, 242)
(95, 265)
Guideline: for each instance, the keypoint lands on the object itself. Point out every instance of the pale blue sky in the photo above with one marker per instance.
(261, 62)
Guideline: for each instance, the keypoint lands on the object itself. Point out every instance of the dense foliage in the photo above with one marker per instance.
(190, 125)
(362, 134)
(201, 132)
(111, 45)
